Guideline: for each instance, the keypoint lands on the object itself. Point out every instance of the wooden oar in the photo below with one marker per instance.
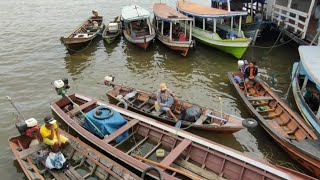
(167, 167)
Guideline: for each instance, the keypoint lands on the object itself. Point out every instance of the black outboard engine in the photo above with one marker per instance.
(61, 86)
(108, 80)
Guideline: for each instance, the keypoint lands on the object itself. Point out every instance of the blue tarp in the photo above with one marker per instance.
(106, 126)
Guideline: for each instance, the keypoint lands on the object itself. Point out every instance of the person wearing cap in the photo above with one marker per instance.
(95, 13)
(165, 99)
(250, 72)
(51, 135)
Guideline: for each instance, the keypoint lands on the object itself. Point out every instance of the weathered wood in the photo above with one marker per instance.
(76, 174)
(70, 175)
(258, 98)
(30, 150)
(137, 145)
(202, 118)
(75, 111)
(120, 131)
(167, 167)
(172, 156)
(198, 170)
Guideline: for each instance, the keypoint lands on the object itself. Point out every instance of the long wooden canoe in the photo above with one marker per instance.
(286, 127)
(84, 161)
(143, 103)
(183, 151)
(83, 36)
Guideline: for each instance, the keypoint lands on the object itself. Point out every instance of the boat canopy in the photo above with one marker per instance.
(134, 12)
(167, 13)
(206, 11)
(310, 60)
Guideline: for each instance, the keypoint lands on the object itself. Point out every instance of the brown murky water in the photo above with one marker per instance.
(32, 57)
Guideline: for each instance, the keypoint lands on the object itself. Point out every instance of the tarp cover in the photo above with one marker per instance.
(106, 126)
(134, 12)
(310, 59)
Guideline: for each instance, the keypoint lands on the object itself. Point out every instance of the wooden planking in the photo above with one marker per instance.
(198, 170)
(120, 131)
(172, 156)
(202, 118)
(30, 150)
(75, 110)
(250, 98)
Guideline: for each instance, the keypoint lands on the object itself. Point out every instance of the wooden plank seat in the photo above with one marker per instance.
(75, 111)
(26, 152)
(278, 129)
(202, 118)
(172, 156)
(124, 128)
(257, 98)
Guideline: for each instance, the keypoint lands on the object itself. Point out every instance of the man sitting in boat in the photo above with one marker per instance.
(165, 99)
(250, 72)
(51, 135)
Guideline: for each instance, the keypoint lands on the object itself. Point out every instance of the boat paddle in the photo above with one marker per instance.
(15, 107)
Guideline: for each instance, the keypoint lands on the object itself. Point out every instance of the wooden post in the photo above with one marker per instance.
(318, 114)
(185, 26)
(204, 23)
(239, 30)
(157, 24)
(231, 24)
(214, 25)
(288, 12)
(251, 10)
(194, 21)
(162, 27)
(170, 30)
(228, 2)
(190, 31)
(305, 28)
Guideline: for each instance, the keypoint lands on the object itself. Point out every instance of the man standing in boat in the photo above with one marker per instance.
(165, 99)
(51, 135)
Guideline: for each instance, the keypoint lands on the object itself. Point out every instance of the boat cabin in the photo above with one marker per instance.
(218, 21)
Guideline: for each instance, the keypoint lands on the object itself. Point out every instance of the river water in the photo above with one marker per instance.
(32, 58)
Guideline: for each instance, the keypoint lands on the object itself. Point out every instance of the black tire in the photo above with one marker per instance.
(97, 116)
(122, 104)
(249, 123)
(151, 168)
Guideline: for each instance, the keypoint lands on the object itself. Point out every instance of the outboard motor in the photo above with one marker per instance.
(28, 127)
(61, 86)
(108, 80)
(242, 65)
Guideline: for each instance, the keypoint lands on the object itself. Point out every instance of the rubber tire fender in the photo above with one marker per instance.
(150, 169)
(122, 104)
(249, 123)
(95, 115)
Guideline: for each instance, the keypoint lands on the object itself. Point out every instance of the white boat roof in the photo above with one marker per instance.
(199, 10)
(310, 59)
(166, 12)
(134, 12)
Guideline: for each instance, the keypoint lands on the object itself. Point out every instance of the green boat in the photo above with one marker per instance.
(215, 27)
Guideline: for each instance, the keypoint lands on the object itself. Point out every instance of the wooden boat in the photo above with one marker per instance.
(82, 37)
(285, 126)
(187, 153)
(306, 85)
(137, 27)
(144, 103)
(112, 30)
(208, 31)
(84, 161)
(169, 31)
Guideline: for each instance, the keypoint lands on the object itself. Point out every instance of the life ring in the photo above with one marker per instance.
(150, 169)
(99, 112)
(122, 104)
(249, 123)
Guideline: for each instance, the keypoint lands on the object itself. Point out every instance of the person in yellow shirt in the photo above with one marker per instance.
(51, 135)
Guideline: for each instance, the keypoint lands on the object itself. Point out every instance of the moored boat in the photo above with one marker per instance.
(112, 30)
(143, 102)
(207, 30)
(142, 138)
(169, 30)
(83, 161)
(82, 37)
(306, 85)
(285, 126)
(137, 27)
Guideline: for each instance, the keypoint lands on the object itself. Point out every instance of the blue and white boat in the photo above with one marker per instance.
(306, 84)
